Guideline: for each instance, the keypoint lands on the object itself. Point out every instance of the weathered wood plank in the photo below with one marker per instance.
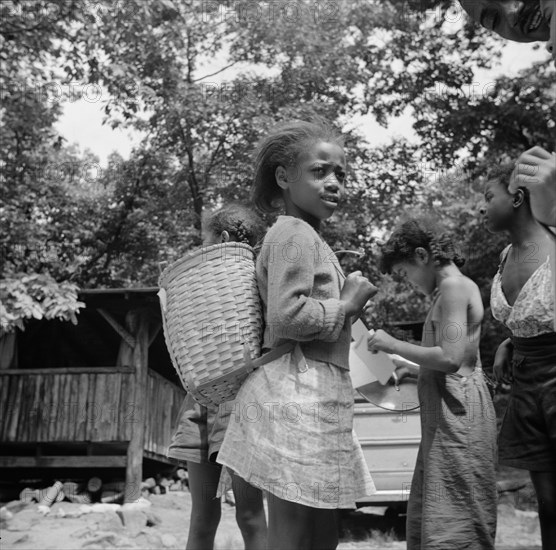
(114, 401)
(22, 406)
(67, 370)
(68, 414)
(75, 409)
(58, 426)
(138, 321)
(14, 409)
(150, 415)
(90, 408)
(26, 410)
(35, 419)
(100, 408)
(126, 413)
(41, 407)
(57, 398)
(4, 406)
(81, 412)
(105, 461)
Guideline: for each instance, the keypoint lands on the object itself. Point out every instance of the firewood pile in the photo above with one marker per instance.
(95, 490)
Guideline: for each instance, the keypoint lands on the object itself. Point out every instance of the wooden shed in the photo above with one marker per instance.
(99, 394)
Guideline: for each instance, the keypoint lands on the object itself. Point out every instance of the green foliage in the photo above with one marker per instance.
(36, 297)
(66, 218)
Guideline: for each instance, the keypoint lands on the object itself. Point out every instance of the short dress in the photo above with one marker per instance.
(302, 447)
(527, 437)
(290, 432)
(453, 498)
(200, 431)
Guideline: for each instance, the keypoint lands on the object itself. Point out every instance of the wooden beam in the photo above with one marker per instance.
(53, 371)
(163, 458)
(105, 461)
(117, 327)
(154, 334)
(138, 320)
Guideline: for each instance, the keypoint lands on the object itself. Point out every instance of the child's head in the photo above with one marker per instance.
(415, 251)
(302, 163)
(233, 222)
(501, 206)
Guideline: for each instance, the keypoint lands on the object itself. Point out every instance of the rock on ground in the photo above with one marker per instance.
(165, 525)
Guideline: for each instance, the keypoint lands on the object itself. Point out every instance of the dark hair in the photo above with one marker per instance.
(412, 234)
(500, 173)
(241, 221)
(281, 148)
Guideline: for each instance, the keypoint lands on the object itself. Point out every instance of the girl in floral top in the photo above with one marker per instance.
(522, 298)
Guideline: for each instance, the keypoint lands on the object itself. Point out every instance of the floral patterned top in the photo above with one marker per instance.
(533, 311)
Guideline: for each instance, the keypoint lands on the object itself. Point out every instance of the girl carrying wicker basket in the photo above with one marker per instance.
(290, 432)
(201, 429)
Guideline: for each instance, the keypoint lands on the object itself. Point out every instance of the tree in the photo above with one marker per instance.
(284, 61)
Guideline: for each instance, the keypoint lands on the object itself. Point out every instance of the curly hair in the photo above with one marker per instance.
(281, 148)
(241, 221)
(413, 234)
(500, 173)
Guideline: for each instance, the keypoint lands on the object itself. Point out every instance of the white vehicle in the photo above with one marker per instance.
(390, 441)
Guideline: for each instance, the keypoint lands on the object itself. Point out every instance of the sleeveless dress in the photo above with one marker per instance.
(527, 438)
(453, 499)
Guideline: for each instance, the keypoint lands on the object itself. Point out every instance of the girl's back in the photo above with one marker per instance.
(467, 333)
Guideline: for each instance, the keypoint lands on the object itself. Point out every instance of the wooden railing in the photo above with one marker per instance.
(86, 405)
(163, 404)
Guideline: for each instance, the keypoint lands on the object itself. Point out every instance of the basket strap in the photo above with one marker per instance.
(267, 357)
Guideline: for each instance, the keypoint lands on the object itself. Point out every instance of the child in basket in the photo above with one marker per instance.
(453, 499)
(201, 429)
(291, 432)
(522, 297)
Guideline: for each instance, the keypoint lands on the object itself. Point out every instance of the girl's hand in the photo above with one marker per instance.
(502, 367)
(355, 292)
(398, 375)
(363, 313)
(381, 341)
(535, 170)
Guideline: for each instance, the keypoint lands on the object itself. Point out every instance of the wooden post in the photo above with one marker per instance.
(138, 325)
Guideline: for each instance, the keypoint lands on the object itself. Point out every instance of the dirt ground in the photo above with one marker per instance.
(162, 522)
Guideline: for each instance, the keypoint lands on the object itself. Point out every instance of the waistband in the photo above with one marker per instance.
(542, 346)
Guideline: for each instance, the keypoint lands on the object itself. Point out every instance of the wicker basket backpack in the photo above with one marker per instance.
(212, 319)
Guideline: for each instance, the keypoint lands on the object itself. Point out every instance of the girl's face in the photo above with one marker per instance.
(521, 21)
(314, 185)
(420, 272)
(499, 208)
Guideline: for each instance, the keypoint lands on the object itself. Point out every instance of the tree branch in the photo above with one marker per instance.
(216, 72)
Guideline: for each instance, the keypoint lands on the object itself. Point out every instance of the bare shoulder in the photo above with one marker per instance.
(459, 284)
(460, 289)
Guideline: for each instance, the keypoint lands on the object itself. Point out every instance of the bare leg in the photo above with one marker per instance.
(325, 530)
(250, 515)
(205, 507)
(545, 487)
(290, 525)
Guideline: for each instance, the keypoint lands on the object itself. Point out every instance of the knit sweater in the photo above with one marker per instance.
(299, 283)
